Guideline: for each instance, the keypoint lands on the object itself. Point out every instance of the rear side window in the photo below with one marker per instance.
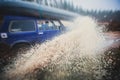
(22, 26)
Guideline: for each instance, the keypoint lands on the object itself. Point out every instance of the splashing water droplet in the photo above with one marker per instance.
(73, 55)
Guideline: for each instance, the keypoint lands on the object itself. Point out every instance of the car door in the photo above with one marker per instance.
(54, 29)
(22, 31)
(47, 30)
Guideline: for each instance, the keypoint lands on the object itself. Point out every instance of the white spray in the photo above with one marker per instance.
(75, 54)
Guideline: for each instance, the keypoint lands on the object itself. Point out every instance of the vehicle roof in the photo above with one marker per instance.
(24, 8)
(11, 17)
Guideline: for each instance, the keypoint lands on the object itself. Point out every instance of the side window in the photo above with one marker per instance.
(46, 25)
(40, 24)
(22, 26)
(57, 24)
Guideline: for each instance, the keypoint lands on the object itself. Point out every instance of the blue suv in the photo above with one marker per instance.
(24, 23)
(19, 31)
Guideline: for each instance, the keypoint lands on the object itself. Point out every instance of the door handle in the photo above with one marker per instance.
(40, 33)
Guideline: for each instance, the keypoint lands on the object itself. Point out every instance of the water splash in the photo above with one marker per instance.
(73, 55)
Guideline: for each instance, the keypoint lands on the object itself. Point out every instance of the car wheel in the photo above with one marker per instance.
(20, 49)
